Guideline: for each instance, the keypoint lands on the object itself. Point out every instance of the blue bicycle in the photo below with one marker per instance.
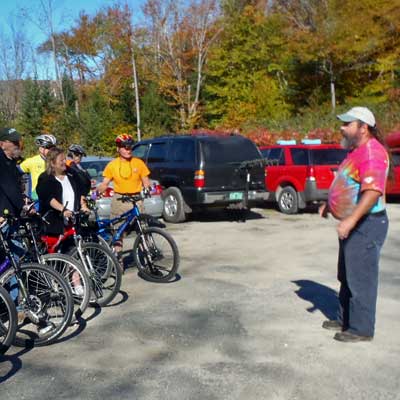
(155, 252)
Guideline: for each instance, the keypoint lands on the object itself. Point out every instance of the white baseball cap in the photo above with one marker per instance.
(362, 114)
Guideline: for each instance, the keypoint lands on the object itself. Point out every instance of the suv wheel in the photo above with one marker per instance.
(173, 205)
(288, 201)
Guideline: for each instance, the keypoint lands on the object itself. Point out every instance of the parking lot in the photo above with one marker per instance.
(243, 321)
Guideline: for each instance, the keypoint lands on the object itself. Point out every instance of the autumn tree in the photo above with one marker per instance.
(339, 44)
(181, 37)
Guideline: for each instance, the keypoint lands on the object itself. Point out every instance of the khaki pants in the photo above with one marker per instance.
(118, 207)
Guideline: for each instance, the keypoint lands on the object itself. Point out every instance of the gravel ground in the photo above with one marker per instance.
(243, 321)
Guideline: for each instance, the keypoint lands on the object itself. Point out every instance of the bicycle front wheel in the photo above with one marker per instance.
(156, 255)
(103, 269)
(76, 277)
(45, 304)
(8, 320)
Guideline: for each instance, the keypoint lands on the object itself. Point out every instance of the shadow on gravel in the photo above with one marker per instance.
(15, 364)
(120, 298)
(229, 215)
(322, 297)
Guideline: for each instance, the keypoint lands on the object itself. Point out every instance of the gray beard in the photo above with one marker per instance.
(347, 143)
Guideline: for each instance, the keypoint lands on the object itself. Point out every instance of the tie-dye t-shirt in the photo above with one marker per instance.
(365, 168)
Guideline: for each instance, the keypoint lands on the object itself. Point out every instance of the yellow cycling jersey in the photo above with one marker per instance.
(34, 166)
(126, 174)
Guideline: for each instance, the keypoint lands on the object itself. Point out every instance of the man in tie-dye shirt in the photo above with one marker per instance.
(357, 199)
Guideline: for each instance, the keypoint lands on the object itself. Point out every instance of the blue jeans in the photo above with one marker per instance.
(358, 265)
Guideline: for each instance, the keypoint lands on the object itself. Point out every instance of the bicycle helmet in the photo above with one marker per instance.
(124, 140)
(46, 141)
(76, 149)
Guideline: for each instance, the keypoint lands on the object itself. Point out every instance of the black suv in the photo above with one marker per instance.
(199, 171)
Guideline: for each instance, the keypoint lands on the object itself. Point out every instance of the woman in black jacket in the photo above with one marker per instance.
(59, 192)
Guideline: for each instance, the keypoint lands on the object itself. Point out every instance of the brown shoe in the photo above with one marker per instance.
(332, 325)
(348, 337)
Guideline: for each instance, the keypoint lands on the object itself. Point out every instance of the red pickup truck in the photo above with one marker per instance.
(393, 185)
(300, 174)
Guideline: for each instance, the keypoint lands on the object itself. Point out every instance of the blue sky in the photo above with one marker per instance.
(65, 13)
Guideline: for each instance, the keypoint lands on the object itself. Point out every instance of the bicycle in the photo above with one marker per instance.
(31, 228)
(155, 252)
(43, 298)
(100, 264)
(8, 319)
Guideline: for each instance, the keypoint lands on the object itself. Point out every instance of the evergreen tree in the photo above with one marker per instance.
(97, 123)
(157, 116)
(31, 113)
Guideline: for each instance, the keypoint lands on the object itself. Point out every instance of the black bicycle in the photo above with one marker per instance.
(30, 231)
(8, 320)
(43, 299)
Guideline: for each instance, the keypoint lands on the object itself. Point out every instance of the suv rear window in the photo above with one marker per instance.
(327, 156)
(158, 152)
(275, 154)
(182, 150)
(227, 151)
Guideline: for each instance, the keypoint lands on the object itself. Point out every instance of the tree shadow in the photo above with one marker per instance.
(322, 297)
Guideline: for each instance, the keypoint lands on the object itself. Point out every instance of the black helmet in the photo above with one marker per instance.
(46, 141)
(76, 149)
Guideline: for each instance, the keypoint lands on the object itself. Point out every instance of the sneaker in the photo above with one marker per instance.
(332, 325)
(78, 290)
(349, 337)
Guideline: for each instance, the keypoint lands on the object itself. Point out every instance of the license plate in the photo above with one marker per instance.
(235, 196)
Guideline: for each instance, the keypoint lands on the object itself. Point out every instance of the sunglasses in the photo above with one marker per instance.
(127, 147)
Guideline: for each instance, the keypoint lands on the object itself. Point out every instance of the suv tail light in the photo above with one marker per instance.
(199, 178)
(310, 173)
(109, 192)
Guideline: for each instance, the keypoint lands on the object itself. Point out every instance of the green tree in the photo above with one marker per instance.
(30, 118)
(97, 124)
(244, 74)
(157, 116)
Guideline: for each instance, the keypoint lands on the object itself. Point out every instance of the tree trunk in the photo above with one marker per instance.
(135, 84)
(333, 95)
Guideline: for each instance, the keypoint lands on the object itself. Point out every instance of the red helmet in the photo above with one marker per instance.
(124, 140)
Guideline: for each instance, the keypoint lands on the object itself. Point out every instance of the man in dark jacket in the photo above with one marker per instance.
(11, 198)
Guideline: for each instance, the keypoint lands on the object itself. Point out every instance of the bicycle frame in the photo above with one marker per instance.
(12, 263)
(129, 217)
(53, 243)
